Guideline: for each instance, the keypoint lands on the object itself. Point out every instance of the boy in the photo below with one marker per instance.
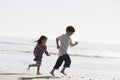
(65, 41)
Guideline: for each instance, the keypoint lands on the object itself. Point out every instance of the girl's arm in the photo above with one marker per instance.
(46, 52)
(35, 51)
(35, 54)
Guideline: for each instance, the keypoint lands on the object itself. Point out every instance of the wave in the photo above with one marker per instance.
(96, 50)
(91, 56)
(53, 53)
(16, 43)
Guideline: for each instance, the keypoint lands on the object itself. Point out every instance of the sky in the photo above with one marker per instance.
(94, 20)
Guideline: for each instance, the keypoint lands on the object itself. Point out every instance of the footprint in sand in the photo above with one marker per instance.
(82, 77)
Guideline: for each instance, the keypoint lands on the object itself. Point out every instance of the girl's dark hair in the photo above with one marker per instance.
(39, 41)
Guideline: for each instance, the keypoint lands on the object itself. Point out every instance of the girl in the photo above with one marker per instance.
(38, 53)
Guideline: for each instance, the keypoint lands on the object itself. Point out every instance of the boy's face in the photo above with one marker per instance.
(70, 33)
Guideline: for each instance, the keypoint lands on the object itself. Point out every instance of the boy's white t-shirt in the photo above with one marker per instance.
(65, 41)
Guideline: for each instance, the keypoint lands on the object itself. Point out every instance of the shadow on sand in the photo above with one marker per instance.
(13, 74)
(30, 77)
(43, 77)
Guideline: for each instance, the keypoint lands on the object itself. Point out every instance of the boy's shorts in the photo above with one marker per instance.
(60, 60)
(38, 58)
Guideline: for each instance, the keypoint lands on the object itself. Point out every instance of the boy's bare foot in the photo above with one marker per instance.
(28, 67)
(63, 72)
(52, 73)
(39, 74)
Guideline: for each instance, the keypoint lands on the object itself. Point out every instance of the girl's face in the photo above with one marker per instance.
(44, 41)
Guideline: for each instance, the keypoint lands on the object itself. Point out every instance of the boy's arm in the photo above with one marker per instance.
(72, 45)
(57, 42)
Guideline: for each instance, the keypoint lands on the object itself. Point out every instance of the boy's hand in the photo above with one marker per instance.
(76, 43)
(58, 47)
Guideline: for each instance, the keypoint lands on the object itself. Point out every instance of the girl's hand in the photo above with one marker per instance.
(35, 54)
(48, 55)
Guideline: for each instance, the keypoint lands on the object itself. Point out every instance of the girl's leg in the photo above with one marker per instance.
(38, 67)
(32, 65)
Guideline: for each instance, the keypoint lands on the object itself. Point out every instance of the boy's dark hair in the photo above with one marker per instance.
(39, 41)
(70, 29)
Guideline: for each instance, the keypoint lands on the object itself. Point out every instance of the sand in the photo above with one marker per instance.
(13, 67)
(32, 77)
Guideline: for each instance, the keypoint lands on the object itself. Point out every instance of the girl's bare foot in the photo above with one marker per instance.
(63, 72)
(52, 73)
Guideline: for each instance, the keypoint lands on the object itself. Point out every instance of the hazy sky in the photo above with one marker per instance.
(94, 20)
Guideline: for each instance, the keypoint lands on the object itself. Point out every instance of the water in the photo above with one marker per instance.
(14, 45)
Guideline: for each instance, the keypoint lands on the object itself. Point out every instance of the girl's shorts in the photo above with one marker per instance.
(38, 58)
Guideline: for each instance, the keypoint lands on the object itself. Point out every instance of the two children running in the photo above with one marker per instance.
(41, 48)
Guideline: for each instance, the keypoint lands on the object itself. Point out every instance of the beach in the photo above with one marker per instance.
(15, 66)
(86, 33)
(32, 77)
(87, 63)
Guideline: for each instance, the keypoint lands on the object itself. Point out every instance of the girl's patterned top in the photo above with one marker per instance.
(40, 49)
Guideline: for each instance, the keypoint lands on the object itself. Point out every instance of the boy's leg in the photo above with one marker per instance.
(67, 63)
(63, 70)
(57, 65)
(52, 72)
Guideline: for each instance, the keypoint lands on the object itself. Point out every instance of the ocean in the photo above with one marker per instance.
(17, 45)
